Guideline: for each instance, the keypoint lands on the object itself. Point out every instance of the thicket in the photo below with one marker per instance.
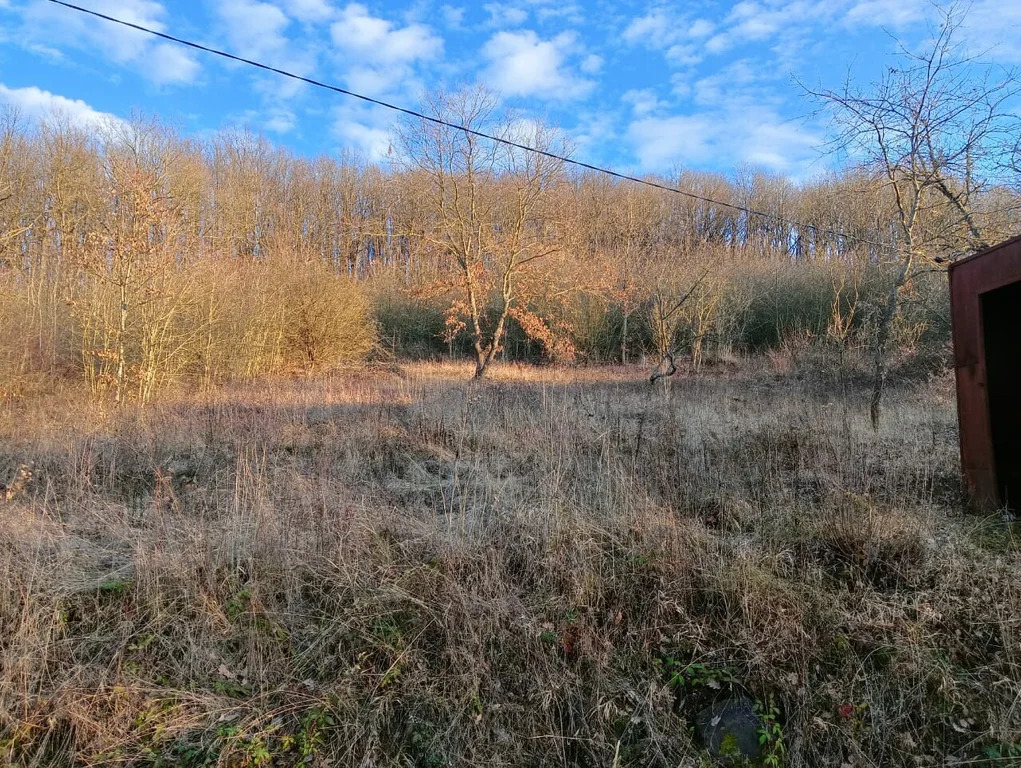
(132, 258)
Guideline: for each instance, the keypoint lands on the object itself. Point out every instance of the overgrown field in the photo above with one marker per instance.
(400, 568)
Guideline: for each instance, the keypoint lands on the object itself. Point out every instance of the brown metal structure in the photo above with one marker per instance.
(985, 304)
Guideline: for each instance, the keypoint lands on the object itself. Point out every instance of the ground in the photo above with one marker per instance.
(399, 567)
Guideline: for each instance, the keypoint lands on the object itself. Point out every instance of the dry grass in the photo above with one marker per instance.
(403, 569)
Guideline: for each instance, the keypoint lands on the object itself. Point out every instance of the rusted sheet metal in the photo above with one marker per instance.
(988, 449)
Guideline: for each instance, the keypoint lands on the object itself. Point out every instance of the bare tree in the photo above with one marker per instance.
(13, 180)
(488, 201)
(935, 127)
(675, 287)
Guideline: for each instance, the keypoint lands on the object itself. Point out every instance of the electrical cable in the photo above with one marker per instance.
(480, 134)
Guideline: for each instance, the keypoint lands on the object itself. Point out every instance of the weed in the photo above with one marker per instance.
(773, 749)
(239, 604)
(996, 755)
(697, 675)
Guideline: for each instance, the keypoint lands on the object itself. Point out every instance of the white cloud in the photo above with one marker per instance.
(756, 136)
(642, 100)
(378, 41)
(280, 120)
(452, 17)
(522, 64)
(779, 145)
(680, 85)
(991, 31)
(675, 35)
(369, 80)
(701, 28)
(752, 21)
(274, 119)
(740, 83)
(736, 116)
(595, 130)
(46, 51)
(168, 63)
(380, 56)
(661, 141)
(526, 130)
(260, 31)
(255, 29)
(370, 142)
(501, 15)
(893, 13)
(684, 53)
(988, 27)
(52, 26)
(570, 14)
(990, 24)
(654, 30)
(592, 64)
(365, 129)
(685, 39)
(719, 43)
(37, 104)
(311, 11)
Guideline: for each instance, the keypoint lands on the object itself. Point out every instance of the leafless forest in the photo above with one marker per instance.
(312, 461)
(137, 260)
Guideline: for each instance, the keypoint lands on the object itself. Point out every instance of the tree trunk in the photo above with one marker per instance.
(883, 339)
(696, 352)
(121, 331)
(623, 340)
(484, 354)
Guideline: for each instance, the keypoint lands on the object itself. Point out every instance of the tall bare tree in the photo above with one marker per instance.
(489, 203)
(936, 127)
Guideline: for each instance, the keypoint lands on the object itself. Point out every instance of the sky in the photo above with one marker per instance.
(640, 87)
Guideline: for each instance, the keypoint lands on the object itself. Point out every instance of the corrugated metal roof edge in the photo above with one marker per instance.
(985, 252)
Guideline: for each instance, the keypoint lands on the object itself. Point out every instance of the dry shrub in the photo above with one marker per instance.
(860, 543)
(13, 346)
(284, 316)
(327, 319)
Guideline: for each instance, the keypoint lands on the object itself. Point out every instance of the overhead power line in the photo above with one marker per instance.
(480, 134)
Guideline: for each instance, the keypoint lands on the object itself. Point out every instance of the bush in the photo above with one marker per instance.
(410, 326)
(326, 319)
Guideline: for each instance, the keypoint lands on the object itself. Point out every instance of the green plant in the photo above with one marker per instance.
(1001, 754)
(257, 751)
(422, 746)
(142, 642)
(313, 724)
(231, 688)
(116, 587)
(772, 748)
(251, 749)
(237, 605)
(696, 675)
(387, 630)
(187, 754)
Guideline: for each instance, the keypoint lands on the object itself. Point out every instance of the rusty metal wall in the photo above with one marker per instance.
(986, 271)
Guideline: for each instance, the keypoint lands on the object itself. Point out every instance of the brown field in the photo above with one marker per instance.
(553, 567)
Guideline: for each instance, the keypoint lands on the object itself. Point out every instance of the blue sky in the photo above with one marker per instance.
(644, 87)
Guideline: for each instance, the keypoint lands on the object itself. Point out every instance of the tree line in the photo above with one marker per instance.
(132, 257)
